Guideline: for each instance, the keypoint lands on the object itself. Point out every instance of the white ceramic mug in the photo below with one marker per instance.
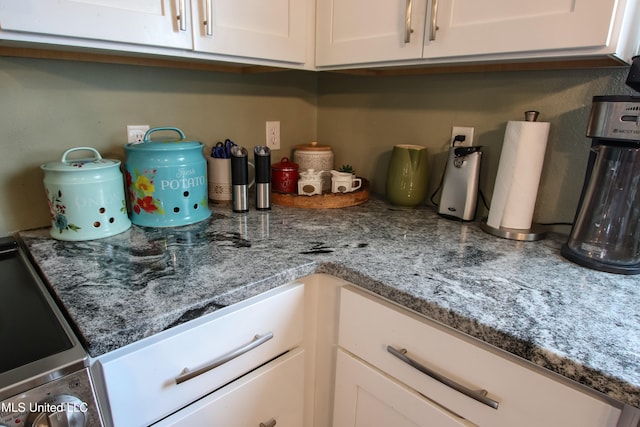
(219, 179)
(344, 182)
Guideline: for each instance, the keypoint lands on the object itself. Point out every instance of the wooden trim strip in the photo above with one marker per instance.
(72, 55)
(203, 65)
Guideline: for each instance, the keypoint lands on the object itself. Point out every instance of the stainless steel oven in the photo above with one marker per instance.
(44, 375)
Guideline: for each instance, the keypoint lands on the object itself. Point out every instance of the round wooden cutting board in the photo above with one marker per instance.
(324, 201)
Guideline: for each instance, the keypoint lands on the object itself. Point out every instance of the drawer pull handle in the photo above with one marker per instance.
(208, 17)
(480, 396)
(188, 374)
(434, 20)
(182, 19)
(270, 423)
(407, 23)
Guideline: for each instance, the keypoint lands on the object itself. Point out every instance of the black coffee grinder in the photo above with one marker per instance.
(606, 232)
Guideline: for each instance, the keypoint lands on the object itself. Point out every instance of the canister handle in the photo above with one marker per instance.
(95, 152)
(147, 135)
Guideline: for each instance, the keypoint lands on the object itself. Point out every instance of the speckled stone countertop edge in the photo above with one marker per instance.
(519, 297)
(612, 387)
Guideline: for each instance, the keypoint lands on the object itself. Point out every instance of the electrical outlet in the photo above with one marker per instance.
(273, 135)
(468, 136)
(135, 133)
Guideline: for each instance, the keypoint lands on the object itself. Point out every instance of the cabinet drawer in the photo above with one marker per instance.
(365, 397)
(368, 325)
(140, 379)
(273, 392)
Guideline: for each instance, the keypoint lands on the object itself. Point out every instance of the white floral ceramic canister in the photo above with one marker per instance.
(86, 196)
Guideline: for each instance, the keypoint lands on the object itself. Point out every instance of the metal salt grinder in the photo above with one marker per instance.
(239, 179)
(262, 159)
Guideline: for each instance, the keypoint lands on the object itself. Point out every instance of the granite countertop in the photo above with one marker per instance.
(523, 297)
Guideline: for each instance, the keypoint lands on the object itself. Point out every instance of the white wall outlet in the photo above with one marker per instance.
(135, 133)
(468, 136)
(273, 135)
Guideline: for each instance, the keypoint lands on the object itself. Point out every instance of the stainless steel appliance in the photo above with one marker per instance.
(44, 375)
(460, 183)
(606, 232)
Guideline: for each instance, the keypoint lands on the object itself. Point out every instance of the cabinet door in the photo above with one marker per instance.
(526, 397)
(266, 29)
(366, 398)
(359, 31)
(146, 22)
(470, 27)
(273, 392)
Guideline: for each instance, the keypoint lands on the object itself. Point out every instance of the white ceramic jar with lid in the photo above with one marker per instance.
(317, 157)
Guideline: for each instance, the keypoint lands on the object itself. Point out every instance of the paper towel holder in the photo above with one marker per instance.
(536, 232)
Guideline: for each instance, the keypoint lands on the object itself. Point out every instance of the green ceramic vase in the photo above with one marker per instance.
(407, 175)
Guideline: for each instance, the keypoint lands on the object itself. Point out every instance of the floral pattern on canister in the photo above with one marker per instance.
(141, 188)
(58, 211)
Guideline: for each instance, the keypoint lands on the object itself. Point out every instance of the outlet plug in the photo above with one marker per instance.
(273, 135)
(135, 133)
(468, 136)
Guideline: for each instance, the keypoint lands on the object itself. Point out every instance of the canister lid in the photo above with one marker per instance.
(313, 146)
(285, 165)
(81, 164)
(165, 143)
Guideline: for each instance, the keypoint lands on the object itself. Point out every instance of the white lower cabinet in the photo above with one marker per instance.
(325, 353)
(400, 346)
(272, 395)
(165, 374)
(365, 397)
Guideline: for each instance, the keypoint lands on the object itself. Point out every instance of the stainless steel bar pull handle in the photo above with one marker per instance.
(433, 27)
(188, 374)
(208, 17)
(479, 395)
(182, 19)
(407, 23)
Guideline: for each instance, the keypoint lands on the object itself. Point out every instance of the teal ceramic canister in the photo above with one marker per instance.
(86, 196)
(166, 180)
(407, 175)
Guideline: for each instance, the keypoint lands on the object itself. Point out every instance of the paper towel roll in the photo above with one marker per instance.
(516, 187)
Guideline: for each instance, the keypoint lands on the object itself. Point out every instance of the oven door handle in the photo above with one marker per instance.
(188, 374)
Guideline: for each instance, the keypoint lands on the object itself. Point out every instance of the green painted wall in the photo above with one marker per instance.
(48, 106)
(363, 117)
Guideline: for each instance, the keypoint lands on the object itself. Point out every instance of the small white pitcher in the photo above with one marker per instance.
(344, 182)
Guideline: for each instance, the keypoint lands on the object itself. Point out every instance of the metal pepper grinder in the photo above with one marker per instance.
(239, 179)
(262, 159)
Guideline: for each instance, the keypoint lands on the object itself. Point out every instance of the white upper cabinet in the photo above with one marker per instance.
(262, 30)
(470, 27)
(361, 31)
(145, 22)
(353, 32)
(268, 29)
